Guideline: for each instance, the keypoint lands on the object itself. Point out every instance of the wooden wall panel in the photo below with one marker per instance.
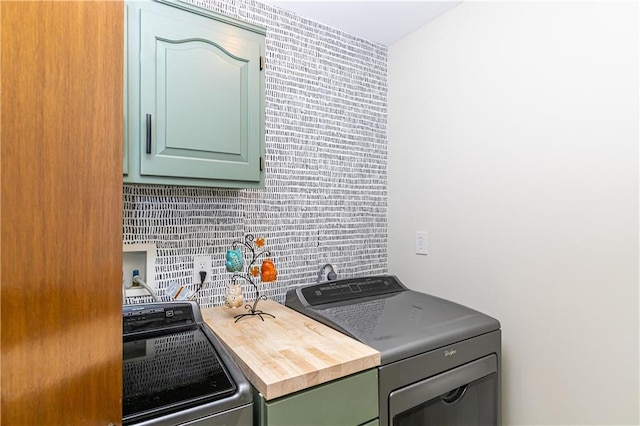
(61, 212)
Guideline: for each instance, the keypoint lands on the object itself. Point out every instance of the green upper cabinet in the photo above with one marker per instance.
(194, 97)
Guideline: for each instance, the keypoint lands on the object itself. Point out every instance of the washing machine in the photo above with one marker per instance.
(176, 371)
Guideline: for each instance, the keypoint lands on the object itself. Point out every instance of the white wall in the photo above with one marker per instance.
(513, 141)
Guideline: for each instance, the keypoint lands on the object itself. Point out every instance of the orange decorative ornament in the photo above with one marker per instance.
(269, 273)
(255, 271)
(259, 242)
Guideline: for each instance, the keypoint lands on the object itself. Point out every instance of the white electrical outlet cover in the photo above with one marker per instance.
(422, 246)
(202, 263)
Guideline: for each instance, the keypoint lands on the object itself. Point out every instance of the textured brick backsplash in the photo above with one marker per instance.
(325, 199)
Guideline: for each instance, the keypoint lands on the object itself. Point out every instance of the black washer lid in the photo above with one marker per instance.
(167, 373)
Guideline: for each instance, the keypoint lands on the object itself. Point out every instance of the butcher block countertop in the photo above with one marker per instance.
(289, 353)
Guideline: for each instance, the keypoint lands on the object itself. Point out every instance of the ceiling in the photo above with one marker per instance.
(383, 22)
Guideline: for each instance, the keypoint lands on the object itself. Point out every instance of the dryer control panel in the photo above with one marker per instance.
(350, 289)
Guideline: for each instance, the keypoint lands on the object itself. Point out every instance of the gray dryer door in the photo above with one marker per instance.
(465, 395)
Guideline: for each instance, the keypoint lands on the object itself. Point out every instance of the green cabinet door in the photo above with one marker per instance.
(196, 97)
(350, 401)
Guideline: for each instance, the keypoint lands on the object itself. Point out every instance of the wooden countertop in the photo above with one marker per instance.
(289, 353)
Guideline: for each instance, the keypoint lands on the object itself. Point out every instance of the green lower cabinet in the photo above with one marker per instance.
(350, 401)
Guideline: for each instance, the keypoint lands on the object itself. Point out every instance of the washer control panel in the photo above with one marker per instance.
(137, 319)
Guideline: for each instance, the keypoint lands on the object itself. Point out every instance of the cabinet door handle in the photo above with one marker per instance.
(148, 133)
